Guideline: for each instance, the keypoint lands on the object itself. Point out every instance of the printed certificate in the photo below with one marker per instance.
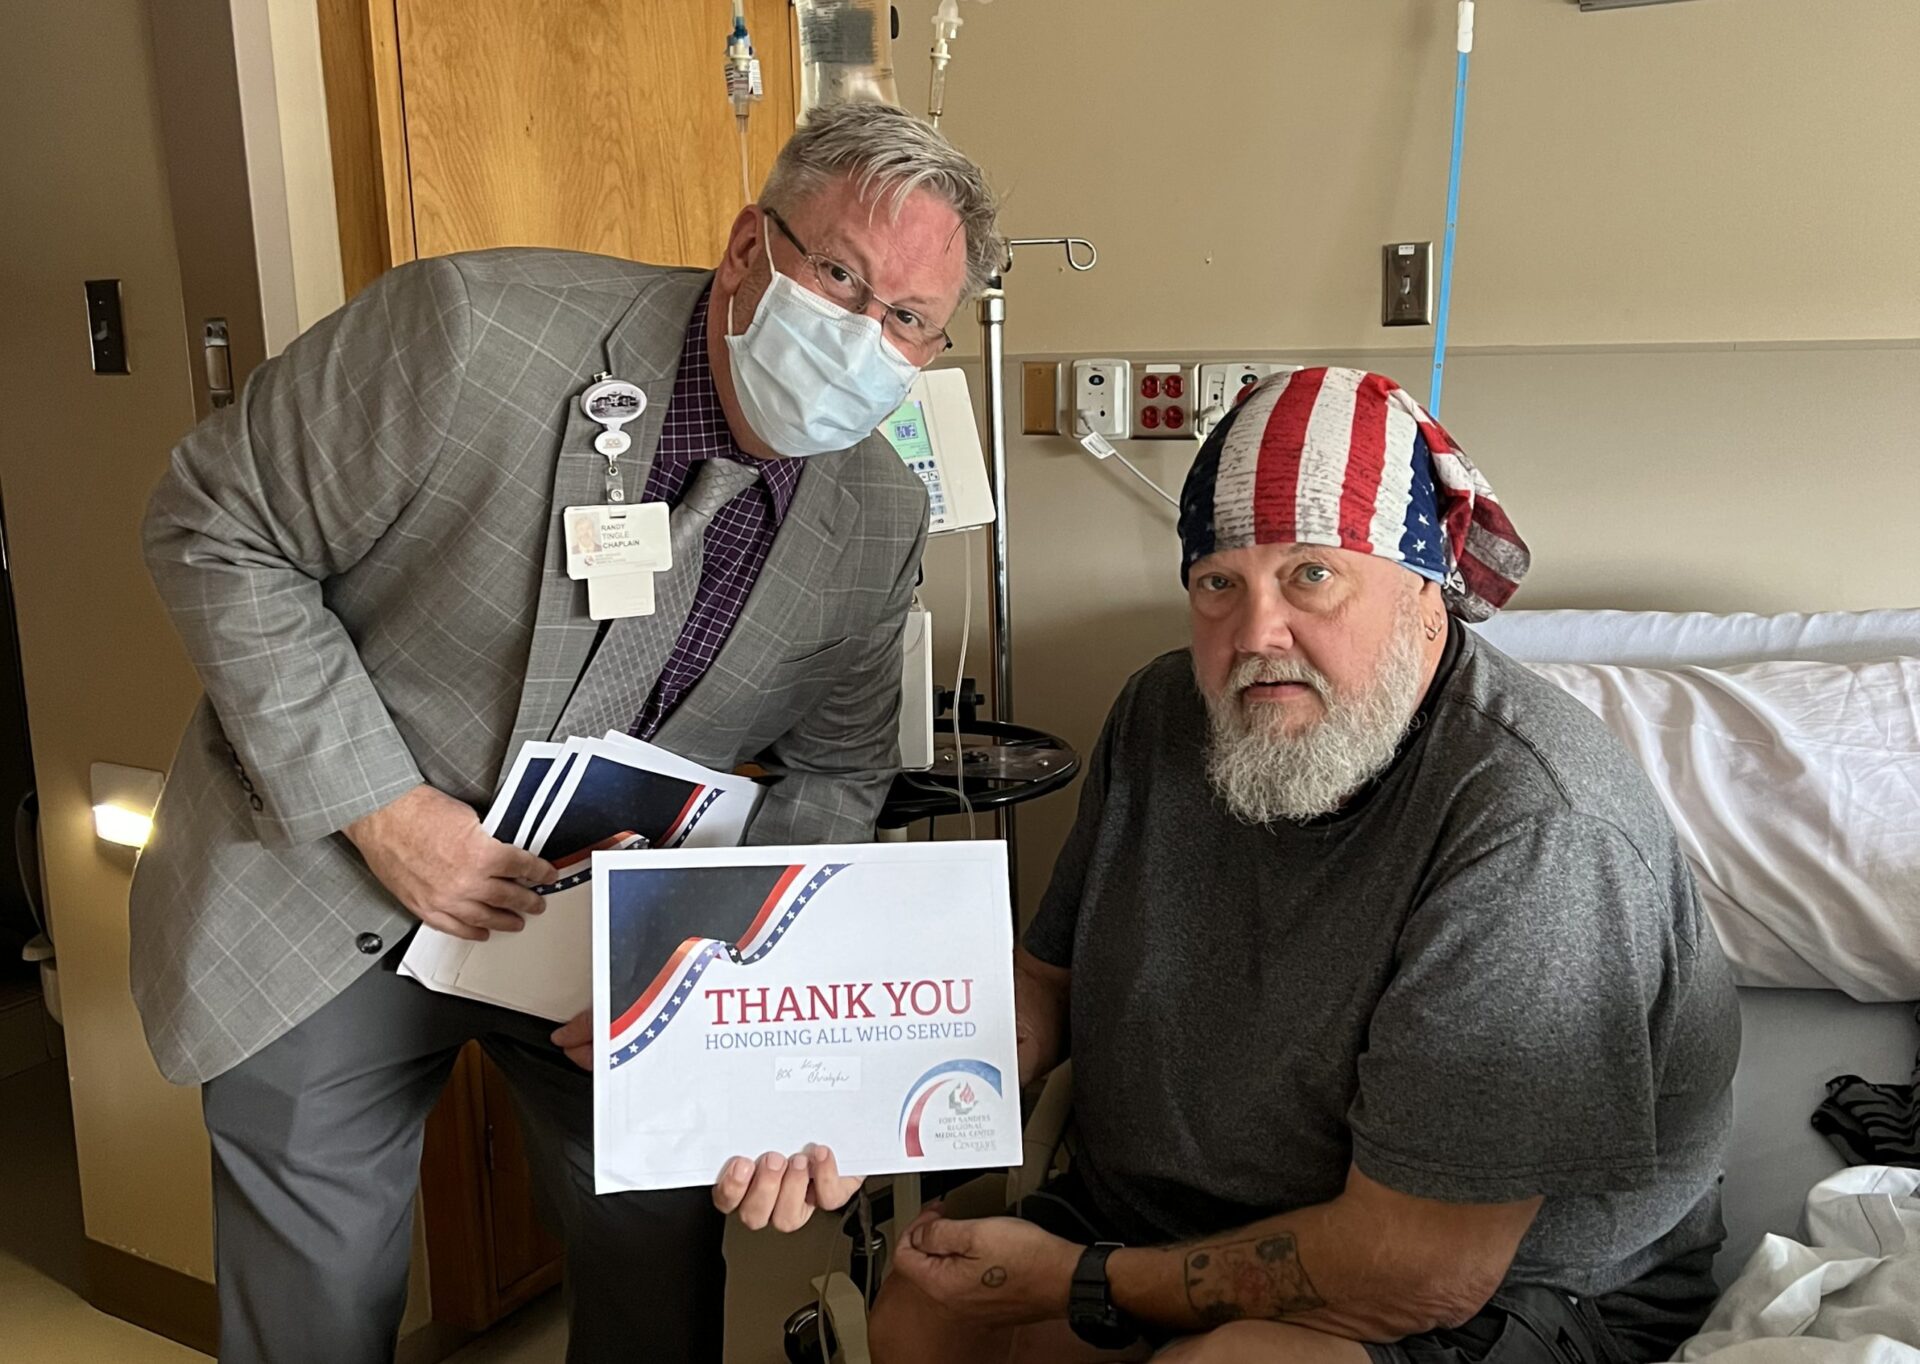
(760, 999)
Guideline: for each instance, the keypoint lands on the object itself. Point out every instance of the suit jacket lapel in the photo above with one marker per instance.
(809, 544)
(643, 347)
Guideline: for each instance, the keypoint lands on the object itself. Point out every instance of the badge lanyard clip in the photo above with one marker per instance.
(611, 403)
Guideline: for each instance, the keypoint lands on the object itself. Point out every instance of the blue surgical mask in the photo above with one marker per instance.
(812, 377)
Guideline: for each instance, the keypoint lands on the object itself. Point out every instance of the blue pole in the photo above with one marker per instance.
(1453, 226)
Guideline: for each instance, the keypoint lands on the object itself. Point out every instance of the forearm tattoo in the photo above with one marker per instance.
(1260, 1278)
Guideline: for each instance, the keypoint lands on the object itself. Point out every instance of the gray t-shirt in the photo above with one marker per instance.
(1490, 978)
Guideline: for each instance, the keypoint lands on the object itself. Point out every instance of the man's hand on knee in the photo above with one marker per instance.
(994, 1271)
(782, 1191)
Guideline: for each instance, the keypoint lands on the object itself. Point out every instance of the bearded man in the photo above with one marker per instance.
(1397, 1027)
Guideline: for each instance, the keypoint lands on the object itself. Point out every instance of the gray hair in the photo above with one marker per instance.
(890, 153)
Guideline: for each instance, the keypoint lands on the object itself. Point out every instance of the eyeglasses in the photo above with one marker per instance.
(844, 285)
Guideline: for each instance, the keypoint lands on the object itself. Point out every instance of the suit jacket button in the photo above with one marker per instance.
(257, 804)
(369, 943)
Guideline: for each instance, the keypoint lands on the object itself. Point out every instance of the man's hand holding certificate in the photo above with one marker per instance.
(769, 999)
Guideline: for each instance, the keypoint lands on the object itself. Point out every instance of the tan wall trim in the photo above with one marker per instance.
(433, 1342)
(185, 1309)
(204, 147)
(153, 1297)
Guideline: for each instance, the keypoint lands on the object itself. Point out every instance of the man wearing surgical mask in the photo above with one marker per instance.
(367, 561)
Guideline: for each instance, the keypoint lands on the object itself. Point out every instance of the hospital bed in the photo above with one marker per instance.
(1806, 1018)
(1794, 1039)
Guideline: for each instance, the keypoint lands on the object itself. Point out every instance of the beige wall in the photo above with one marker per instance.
(81, 179)
(1704, 171)
(1687, 310)
(106, 678)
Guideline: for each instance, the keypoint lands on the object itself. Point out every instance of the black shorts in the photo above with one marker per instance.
(1524, 1324)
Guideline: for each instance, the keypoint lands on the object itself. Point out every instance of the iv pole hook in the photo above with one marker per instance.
(1074, 246)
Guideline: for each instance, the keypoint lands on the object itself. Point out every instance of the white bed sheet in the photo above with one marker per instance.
(1794, 788)
(1794, 1040)
(1787, 751)
(1849, 1295)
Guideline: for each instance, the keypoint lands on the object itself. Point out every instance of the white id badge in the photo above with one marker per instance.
(620, 539)
(613, 595)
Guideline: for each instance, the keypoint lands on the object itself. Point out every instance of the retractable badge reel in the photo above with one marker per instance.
(611, 403)
(616, 548)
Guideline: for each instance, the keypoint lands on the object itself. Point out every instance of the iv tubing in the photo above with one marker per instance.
(1464, 44)
(743, 80)
(959, 675)
(746, 180)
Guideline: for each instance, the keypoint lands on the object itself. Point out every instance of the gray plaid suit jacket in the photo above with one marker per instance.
(364, 558)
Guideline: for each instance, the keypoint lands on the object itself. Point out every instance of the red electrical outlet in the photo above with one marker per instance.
(1158, 412)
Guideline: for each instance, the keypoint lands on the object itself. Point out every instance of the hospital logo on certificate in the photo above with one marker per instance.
(954, 1109)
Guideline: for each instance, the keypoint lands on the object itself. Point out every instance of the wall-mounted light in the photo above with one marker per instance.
(123, 801)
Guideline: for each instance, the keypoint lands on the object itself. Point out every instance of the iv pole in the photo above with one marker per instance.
(1081, 256)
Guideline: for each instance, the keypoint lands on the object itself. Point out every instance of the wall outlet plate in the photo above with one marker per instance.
(1406, 286)
(1218, 385)
(1039, 398)
(106, 333)
(1098, 393)
(1162, 401)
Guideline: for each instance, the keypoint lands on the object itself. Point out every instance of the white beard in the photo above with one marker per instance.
(1265, 774)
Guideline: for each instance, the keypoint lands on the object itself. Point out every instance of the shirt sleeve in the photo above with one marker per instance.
(1511, 1055)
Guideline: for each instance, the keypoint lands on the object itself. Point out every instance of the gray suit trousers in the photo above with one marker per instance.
(316, 1159)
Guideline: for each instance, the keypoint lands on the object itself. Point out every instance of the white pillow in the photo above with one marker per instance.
(1795, 788)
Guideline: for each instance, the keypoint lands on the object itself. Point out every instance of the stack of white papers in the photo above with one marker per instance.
(566, 801)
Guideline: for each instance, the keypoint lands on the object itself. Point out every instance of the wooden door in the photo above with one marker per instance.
(600, 125)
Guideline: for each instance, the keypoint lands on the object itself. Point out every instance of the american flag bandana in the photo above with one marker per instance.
(1345, 458)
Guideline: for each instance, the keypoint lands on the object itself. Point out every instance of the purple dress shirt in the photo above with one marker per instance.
(737, 539)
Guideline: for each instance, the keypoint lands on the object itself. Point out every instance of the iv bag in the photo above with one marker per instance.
(846, 53)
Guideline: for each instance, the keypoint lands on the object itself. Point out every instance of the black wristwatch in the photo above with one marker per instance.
(1090, 1309)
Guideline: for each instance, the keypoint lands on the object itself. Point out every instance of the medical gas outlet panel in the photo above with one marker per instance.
(1136, 399)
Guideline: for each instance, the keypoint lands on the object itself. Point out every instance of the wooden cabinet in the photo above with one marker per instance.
(487, 1250)
(593, 125)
